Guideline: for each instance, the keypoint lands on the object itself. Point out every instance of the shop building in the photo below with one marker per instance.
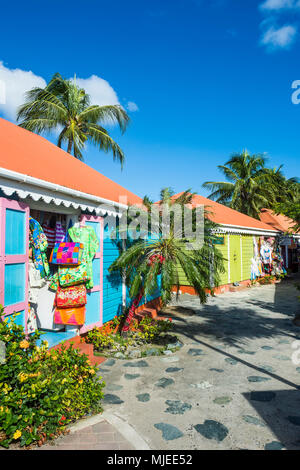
(43, 186)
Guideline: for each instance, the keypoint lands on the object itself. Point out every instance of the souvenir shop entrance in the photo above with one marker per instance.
(51, 266)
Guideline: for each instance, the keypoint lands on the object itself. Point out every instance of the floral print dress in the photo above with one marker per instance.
(88, 237)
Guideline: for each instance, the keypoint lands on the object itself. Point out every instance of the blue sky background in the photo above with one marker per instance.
(209, 77)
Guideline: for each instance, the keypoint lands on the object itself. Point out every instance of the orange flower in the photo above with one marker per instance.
(24, 344)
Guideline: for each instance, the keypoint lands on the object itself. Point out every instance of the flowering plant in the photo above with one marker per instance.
(40, 390)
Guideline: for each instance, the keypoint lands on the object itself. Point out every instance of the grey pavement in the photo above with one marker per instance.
(233, 385)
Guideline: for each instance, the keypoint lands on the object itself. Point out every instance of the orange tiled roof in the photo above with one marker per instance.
(32, 155)
(224, 215)
(278, 222)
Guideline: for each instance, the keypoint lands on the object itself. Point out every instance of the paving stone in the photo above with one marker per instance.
(244, 351)
(222, 400)
(136, 364)
(257, 378)
(274, 445)
(131, 376)
(177, 407)
(202, 385)
(195, 352)
(110, 362)
(253, 420)
(212, 430)
(112, 399)
(268, 368)
(281, 357)
(143, 397)
(113, 387)
(164, 382)
(174, 369)
(169, 432)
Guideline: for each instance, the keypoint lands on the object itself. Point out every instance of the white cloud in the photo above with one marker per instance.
(280, 4)
(279, 38)
(100, 91)
(16, 83)
(131, 106)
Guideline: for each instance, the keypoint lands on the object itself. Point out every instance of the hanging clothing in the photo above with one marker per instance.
(266, 253)
(60, 233)
(39, 245)
(71, 276)
(88, 237)
(32, 318)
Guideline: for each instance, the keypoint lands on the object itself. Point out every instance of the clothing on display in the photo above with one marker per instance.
(60, 233)
(74, 296)
(86, 235)
(50, 234)
(69, 316)
(38, 244)
(67, 253)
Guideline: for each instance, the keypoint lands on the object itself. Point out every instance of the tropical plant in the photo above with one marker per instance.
(147, 261)
(250, 186)
(62, 105)
(40, 390)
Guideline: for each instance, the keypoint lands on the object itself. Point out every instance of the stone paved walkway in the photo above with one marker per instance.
(99, 436)
(232, 386)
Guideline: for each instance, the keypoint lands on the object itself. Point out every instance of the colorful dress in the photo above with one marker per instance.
(38, 243)
(88, 237)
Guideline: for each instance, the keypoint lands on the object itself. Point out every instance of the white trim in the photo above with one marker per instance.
(226, 228)
(241, 250)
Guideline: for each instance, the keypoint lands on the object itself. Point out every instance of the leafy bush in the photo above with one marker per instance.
(147, 331)
(40, 390)
(150, 330)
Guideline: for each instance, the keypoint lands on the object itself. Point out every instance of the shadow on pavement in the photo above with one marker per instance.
(280, 411)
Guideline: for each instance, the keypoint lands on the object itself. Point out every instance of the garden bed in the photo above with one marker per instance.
(145, 338)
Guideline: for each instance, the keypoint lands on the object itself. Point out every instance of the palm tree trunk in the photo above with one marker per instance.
(70, 143)
(133, 308)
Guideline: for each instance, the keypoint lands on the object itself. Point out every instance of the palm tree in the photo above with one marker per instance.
(145, 260)
(248, 188)
(63, 105)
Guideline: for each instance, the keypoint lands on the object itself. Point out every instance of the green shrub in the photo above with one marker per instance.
(41, 391)
(150, 330)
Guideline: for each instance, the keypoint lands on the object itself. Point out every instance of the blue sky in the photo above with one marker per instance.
(202, 78)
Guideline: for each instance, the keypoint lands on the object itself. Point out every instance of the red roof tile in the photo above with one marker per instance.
(278, 222)
(224, 215)
(32, 155)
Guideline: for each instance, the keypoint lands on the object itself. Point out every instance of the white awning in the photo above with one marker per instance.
(39, 190)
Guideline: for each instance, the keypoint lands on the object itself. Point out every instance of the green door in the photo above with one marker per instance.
(235, 258)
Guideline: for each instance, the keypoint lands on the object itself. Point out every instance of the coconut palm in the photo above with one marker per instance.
(147, 261)
(63, 105)
(248, 188)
